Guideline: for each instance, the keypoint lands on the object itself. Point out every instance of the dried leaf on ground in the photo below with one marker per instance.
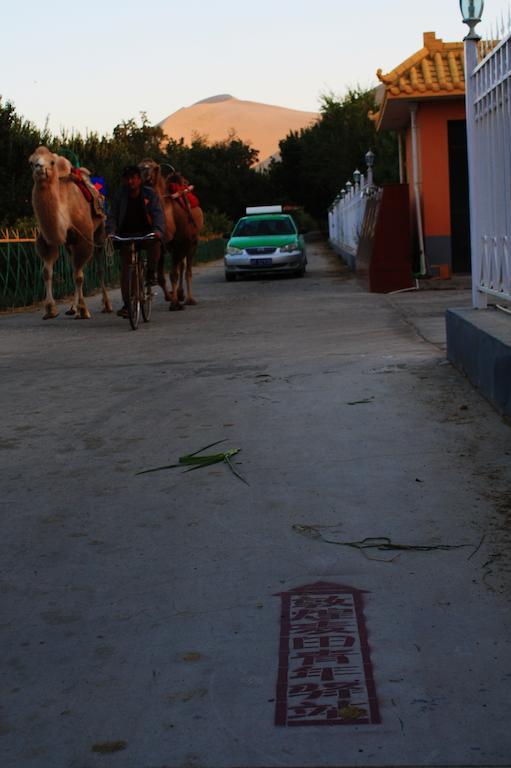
(380, 543)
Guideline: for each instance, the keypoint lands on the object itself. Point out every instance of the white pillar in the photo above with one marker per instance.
(417, 188)
(479, 299)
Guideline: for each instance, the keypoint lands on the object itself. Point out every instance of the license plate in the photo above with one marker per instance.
(261, 262)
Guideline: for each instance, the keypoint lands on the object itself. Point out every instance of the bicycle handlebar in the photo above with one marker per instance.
(134, 238)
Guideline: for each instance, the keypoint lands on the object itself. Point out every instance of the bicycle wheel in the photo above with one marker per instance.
(134, 296)
(146, 304)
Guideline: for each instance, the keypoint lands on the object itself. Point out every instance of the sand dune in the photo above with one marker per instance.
(260, 125)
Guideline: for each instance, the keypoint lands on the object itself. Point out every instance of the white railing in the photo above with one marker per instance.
(346, 214)
(488, 104)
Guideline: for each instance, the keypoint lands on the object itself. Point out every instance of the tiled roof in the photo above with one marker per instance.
(436, 70)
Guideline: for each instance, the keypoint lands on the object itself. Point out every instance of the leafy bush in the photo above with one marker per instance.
(18, 139)
(317, 161)
(216, 223)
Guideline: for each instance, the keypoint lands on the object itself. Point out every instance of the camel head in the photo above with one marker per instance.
(47, 166)
(150, 172)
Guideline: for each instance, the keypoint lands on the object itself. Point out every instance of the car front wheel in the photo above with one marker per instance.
(230, 278)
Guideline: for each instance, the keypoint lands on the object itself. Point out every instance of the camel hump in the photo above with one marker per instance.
(198, 218)
(81, 177)
(63, 166)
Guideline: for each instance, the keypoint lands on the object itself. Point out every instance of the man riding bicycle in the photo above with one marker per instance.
(136, 210)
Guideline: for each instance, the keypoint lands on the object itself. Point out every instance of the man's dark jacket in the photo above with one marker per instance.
(152, 207)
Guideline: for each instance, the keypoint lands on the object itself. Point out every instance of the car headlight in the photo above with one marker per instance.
(289, 248)
(231, 251)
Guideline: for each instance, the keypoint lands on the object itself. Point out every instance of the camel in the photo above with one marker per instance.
(65, 217)
(183, 243)
(152, 176)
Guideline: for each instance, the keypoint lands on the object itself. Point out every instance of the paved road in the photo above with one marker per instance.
(143, 619)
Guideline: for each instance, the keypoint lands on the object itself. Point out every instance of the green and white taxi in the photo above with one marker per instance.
(265, 241)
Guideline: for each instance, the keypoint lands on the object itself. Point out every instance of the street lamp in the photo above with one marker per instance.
(472, 10)
(356, 178)
(349, 187)
(369, 158)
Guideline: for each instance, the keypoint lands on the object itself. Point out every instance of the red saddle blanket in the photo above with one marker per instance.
(77, 177)
(178, 191)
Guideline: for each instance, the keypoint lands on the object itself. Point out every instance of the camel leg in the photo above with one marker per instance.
(180, 287)
(162, 282)
(81, 255)
(107, 304)
(175, 282)
(82, 312)
(50, 305)
(163, 285)
(100, 256)
(190, 301)
(49, 255)
(72, 309)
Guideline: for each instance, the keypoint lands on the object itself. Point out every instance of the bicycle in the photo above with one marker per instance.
(140, 294)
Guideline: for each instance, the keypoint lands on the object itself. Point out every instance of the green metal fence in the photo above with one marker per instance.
(210, 250)
(21, 278)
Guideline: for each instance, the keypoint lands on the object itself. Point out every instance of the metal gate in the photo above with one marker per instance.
(488, 102)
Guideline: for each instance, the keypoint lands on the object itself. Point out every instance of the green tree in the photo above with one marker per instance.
(18, 139)
(317, 161)
(106, 156)
(222, 173)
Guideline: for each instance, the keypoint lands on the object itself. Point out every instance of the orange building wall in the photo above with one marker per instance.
(432, 118)
(433, 159)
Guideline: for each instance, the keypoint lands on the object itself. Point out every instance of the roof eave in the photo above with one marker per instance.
(395, 112)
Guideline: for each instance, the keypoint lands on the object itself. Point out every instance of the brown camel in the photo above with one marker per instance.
(183, 244)
(152, 176)
(65, 217)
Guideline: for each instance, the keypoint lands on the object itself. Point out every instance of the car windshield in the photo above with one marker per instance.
(264, 227)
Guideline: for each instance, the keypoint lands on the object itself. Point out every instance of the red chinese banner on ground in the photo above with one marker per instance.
(325, 675)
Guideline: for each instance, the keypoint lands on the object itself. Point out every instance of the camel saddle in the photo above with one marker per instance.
(184, 197)
(89, 191)
(183, 193)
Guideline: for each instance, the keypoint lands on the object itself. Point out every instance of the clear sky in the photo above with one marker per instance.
(88, 66)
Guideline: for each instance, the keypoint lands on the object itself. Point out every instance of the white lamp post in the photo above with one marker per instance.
(369, 158)
(472, 10)
(356, 178)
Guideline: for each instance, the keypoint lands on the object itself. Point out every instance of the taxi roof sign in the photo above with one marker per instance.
(255, 209)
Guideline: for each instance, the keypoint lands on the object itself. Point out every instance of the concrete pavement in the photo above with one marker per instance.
(143, 620)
